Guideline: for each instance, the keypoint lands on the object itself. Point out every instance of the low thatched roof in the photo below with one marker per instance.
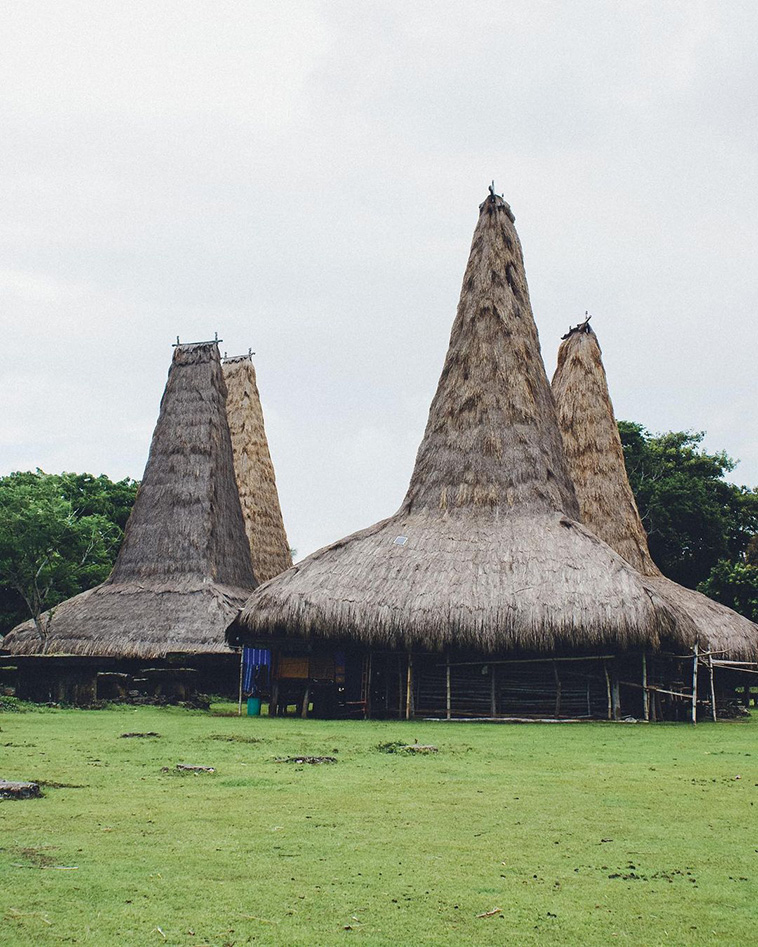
(184, 567)
(486, 550)
(254, 471)
(596, 462)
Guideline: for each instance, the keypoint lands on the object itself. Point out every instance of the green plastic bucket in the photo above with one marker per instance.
(253, 706)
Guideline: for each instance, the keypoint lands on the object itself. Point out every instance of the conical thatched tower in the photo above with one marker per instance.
(607, 506)
(184, 566)
(255, 471)
(485, 552)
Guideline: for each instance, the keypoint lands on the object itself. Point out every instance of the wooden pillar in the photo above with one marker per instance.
(273, 704)
(713, 688)
(409, 687)
(448, 692)
(616, 697)
(239, 706)
(746, 692)
(694, 682)
(645, 692)
(493, 691)
(306, 699)
(557, 689)
(608, 690)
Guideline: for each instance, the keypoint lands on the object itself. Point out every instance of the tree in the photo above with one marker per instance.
(693, 517)
(734, 584)
(59, 535)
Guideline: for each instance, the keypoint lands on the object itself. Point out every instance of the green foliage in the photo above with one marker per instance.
(590, 834)
(734, 584)
(693, 517)
(59, 535)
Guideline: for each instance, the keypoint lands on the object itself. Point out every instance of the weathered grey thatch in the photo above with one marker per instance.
(254, 471)
(486, 550)
(596, 462)
(184, 567)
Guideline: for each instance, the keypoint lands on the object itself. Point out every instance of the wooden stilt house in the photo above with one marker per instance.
(183, 570)
(483, 595)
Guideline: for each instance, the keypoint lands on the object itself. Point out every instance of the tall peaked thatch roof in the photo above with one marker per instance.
(596, 463)
(184, 565)
(254, 471)
(593, 449)
(486, 550)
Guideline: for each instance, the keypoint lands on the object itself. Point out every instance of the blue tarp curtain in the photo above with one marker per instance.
(254, 661)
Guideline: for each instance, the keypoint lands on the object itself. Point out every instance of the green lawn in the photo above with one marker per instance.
(581, 834)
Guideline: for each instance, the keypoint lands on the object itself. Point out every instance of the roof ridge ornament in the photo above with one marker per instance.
(179, 344)
(238, 358)
(582, 327)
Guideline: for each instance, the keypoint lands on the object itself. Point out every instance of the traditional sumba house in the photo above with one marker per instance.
(483, 595)
(181, 575)
(254, 471)
(713, 636)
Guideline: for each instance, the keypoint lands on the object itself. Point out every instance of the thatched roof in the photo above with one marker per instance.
(607, 506)
(486, 550)
(255, 471)
(593, 449)
(184, 567)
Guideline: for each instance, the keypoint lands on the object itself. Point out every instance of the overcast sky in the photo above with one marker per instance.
(303, 177)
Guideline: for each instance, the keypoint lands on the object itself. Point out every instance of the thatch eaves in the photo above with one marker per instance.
(184, 566)
(485, 551)
(254, 471)
(596, 462)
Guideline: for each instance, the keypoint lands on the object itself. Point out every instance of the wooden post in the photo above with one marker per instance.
(493, 691)
(409, 687)
(448, 695)
(616, 693)
(273, 704)
(694, 682)
(306, 699)
(608, 690)
(746, 691)
(645, 692)
(713, 688)
(557, 689)
(239, 708)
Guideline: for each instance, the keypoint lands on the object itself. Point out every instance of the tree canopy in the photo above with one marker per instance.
(694, 518)
(59, 535)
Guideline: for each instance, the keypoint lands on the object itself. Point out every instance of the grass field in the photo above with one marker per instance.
(581, 834)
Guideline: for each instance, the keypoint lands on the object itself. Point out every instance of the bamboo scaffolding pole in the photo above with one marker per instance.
(741, 664)
(654, 689)
(713, 688)
(589, 657)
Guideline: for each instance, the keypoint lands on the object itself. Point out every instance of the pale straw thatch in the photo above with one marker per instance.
(486, 551)
(254, 471)
(596, 462)
(184, 567)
